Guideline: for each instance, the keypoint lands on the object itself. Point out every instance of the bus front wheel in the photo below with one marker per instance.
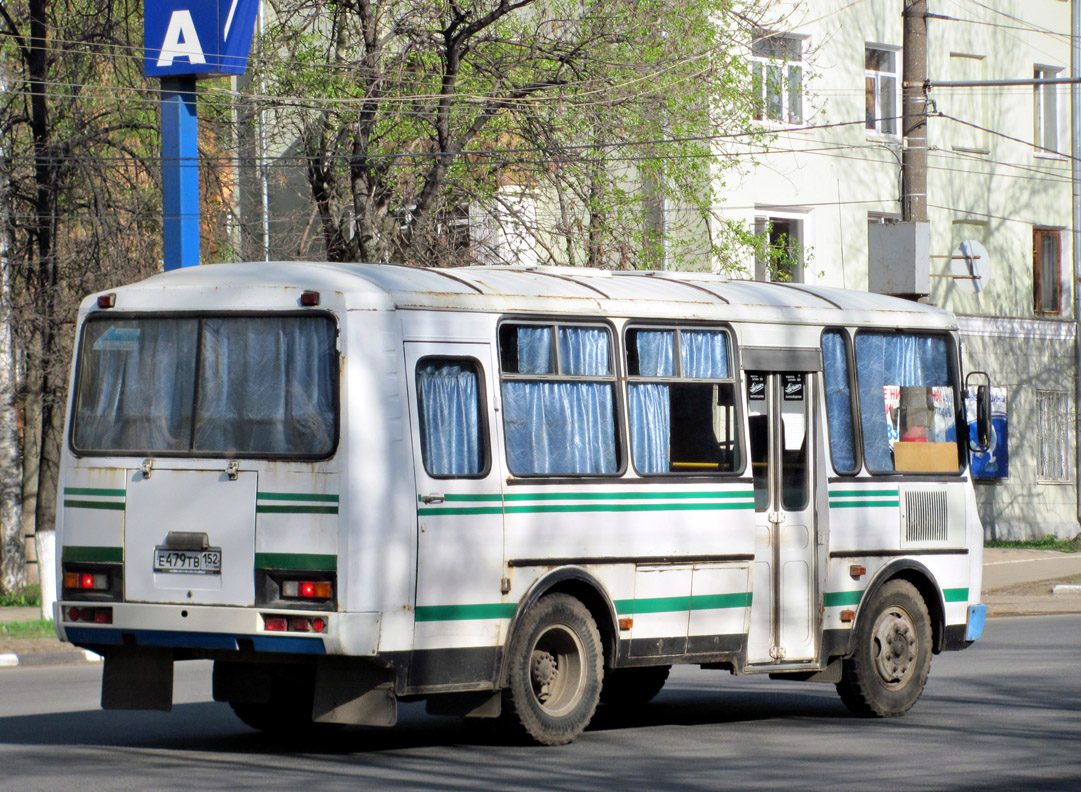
(886, 674)
(555, 670)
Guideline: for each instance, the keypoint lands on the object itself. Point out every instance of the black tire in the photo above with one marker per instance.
(555, 668)
(888, 670)
(632, 687)
(289, 708)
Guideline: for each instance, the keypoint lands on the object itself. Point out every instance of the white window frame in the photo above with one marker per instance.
(1053, 422)
(883, 112)
(1045, 112)
(803, 237)
(777, 58)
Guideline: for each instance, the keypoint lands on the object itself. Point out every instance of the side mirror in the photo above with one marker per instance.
(982, 440)
(983, 417)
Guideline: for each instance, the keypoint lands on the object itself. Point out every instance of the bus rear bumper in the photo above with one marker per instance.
(216, 628)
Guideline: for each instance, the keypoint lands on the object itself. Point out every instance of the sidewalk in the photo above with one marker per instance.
(1015, 583)
(1020, 582)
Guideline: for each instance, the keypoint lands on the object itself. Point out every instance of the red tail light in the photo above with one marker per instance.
(275, 623)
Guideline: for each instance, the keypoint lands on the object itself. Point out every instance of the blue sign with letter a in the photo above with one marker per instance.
(206, 38)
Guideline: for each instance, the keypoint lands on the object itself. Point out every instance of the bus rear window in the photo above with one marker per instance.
(207, 386)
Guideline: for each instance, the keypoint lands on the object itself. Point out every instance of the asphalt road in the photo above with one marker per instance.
(1003, 715)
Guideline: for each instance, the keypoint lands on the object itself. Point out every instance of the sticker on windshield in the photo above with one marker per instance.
(118, 339)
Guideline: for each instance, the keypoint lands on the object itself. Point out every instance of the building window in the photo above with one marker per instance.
(1045, 105)
(779, 257)
(882, 99)
(1047, 271)
(1052, 435)
(777, 69)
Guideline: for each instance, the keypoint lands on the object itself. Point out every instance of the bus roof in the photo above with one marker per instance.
(561, 290)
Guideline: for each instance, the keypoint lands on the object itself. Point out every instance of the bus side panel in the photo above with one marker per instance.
(377, 545)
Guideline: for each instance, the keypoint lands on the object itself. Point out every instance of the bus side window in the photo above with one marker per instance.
(842, 433)
(558, 388)
(681, 401)
(453, 440)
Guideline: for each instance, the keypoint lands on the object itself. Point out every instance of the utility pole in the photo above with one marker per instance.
(914, 112)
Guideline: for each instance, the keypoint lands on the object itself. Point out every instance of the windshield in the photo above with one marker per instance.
(207, 386)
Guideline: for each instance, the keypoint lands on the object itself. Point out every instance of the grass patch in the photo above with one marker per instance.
(1044, 543)
(30, 597)
(42, 628)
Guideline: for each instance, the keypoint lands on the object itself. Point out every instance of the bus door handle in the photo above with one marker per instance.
(432, 498)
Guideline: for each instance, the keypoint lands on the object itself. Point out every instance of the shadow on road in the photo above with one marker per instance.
(212, 727)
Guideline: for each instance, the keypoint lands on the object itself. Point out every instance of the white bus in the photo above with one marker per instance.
(514, 492)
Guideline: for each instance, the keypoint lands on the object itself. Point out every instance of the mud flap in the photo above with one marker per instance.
(348, 691)
(137, 678)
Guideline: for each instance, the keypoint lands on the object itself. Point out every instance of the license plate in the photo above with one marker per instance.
(192, 562)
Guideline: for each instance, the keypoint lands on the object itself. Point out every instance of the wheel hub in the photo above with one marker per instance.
(894, 647)
(544, 671)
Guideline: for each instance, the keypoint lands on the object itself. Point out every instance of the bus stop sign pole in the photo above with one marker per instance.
(184, 41)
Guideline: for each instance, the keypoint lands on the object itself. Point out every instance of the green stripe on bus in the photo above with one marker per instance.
(864, 493)
(864, 504)
(634, 607)
(305, 561)
(104, 493)
(107, 505)
(98, 555)
(625, 507)
(497, 610)
(718, 601)
(296, 496)
(622, 496)
(262, 509)
(836, 598)
(459, 510)
(955, 595)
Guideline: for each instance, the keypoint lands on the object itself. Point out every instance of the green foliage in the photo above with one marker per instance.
(613, 118)
(41, 628)
(29, 597)
(1043, 543)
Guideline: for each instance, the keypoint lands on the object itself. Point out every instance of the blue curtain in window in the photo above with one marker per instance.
(655, 353)
(648, 403)
(266, 386)
(583, 352)
(534, 350)
(135, 384)
(449, 419)
(651, 422)
(704, 354)
(562, 428)
(893, 360)
(559, 428)
(839, 403)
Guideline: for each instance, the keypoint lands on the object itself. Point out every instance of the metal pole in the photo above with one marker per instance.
(914, 118)
(180, 172)
(1075, 236)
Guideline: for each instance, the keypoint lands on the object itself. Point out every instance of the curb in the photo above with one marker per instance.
(49, 658)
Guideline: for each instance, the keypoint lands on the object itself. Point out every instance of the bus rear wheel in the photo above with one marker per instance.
(555, 670)
(631, 687)
(888, 670)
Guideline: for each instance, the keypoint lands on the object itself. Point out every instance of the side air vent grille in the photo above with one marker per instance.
(926, 517)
